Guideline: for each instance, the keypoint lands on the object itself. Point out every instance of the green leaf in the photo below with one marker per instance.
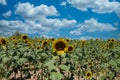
(117, 69)
(111, 75)
(113, 63)
(64, 67)
(21, 61)
(105, 65)
(56, 76)
(16, 57)
(50, 65)
(5, 59)
(118, 61)
(102, 78)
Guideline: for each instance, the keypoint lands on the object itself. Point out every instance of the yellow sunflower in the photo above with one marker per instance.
(13, 38)
(59, 46)
(90, 63)
(88, 74)
(70, 48)
(38, 47)
(30, 44)
(24, 37)
(39, 40)
(26, 41)
(82, 43)
(67, 40)
(3, 41)
(112, 40)
(52, 39)
(15, 43)
(44, 43)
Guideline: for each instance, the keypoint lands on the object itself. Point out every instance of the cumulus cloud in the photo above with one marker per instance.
(57, 23)
(63, 3)
(98, 6)
(7, 14)
(3, 2)
(86, 37)
(35, 20)
(92, 25)
(29, 11)
(24, 27)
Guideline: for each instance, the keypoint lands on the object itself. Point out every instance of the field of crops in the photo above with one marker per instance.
(24, 58)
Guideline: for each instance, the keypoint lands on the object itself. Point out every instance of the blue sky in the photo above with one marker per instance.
(76, 19)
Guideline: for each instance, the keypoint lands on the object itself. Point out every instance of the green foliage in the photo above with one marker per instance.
(27, 61)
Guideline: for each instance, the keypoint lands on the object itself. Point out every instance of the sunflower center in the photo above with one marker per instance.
(70, 48)
(52, 39)
(90, 63)
(88, 75)
(13, 38)
(45, 43)
(60, 46)
(3, 41)
(24, 37)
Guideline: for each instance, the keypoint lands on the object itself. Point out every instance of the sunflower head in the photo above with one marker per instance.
(15, 43)
(88, 75)
(26, 41)
(112, 40)
(3, 41)
(59, 46)
(83, 43)
(39, 40)
(107, 45)
(24, 37)
(67, 40)
(70, 48)
(90, 63)
(38, 47)
(13, 38)
(44, 43)
(52, 39)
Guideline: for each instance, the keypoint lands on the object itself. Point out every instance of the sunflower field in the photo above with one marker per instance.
(40, 58)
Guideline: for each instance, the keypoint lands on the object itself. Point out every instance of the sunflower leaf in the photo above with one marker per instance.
(64, 67)
(56, 76)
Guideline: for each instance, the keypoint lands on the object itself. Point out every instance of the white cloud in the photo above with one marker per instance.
(98, 6)
(29, 11)
(63, 3)
(57, 23)
(86, 37)
(7, 14)
(35, 20)
(43, 26)
(3, 2)
(92, 25)
(24, 27)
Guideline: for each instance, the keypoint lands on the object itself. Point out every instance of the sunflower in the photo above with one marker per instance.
(15, 43)
(83, 43)
(52, 39)
(24, 37)
(59, 46)
(3, 41)
(26, 41)
(67, 40)
(112, 40)
(38, 47)
(70, 48)
(90, 63)
(30, 44)
(13, 38)
(88, 75)
(44, 43)
(39, 40)
(107, 45)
